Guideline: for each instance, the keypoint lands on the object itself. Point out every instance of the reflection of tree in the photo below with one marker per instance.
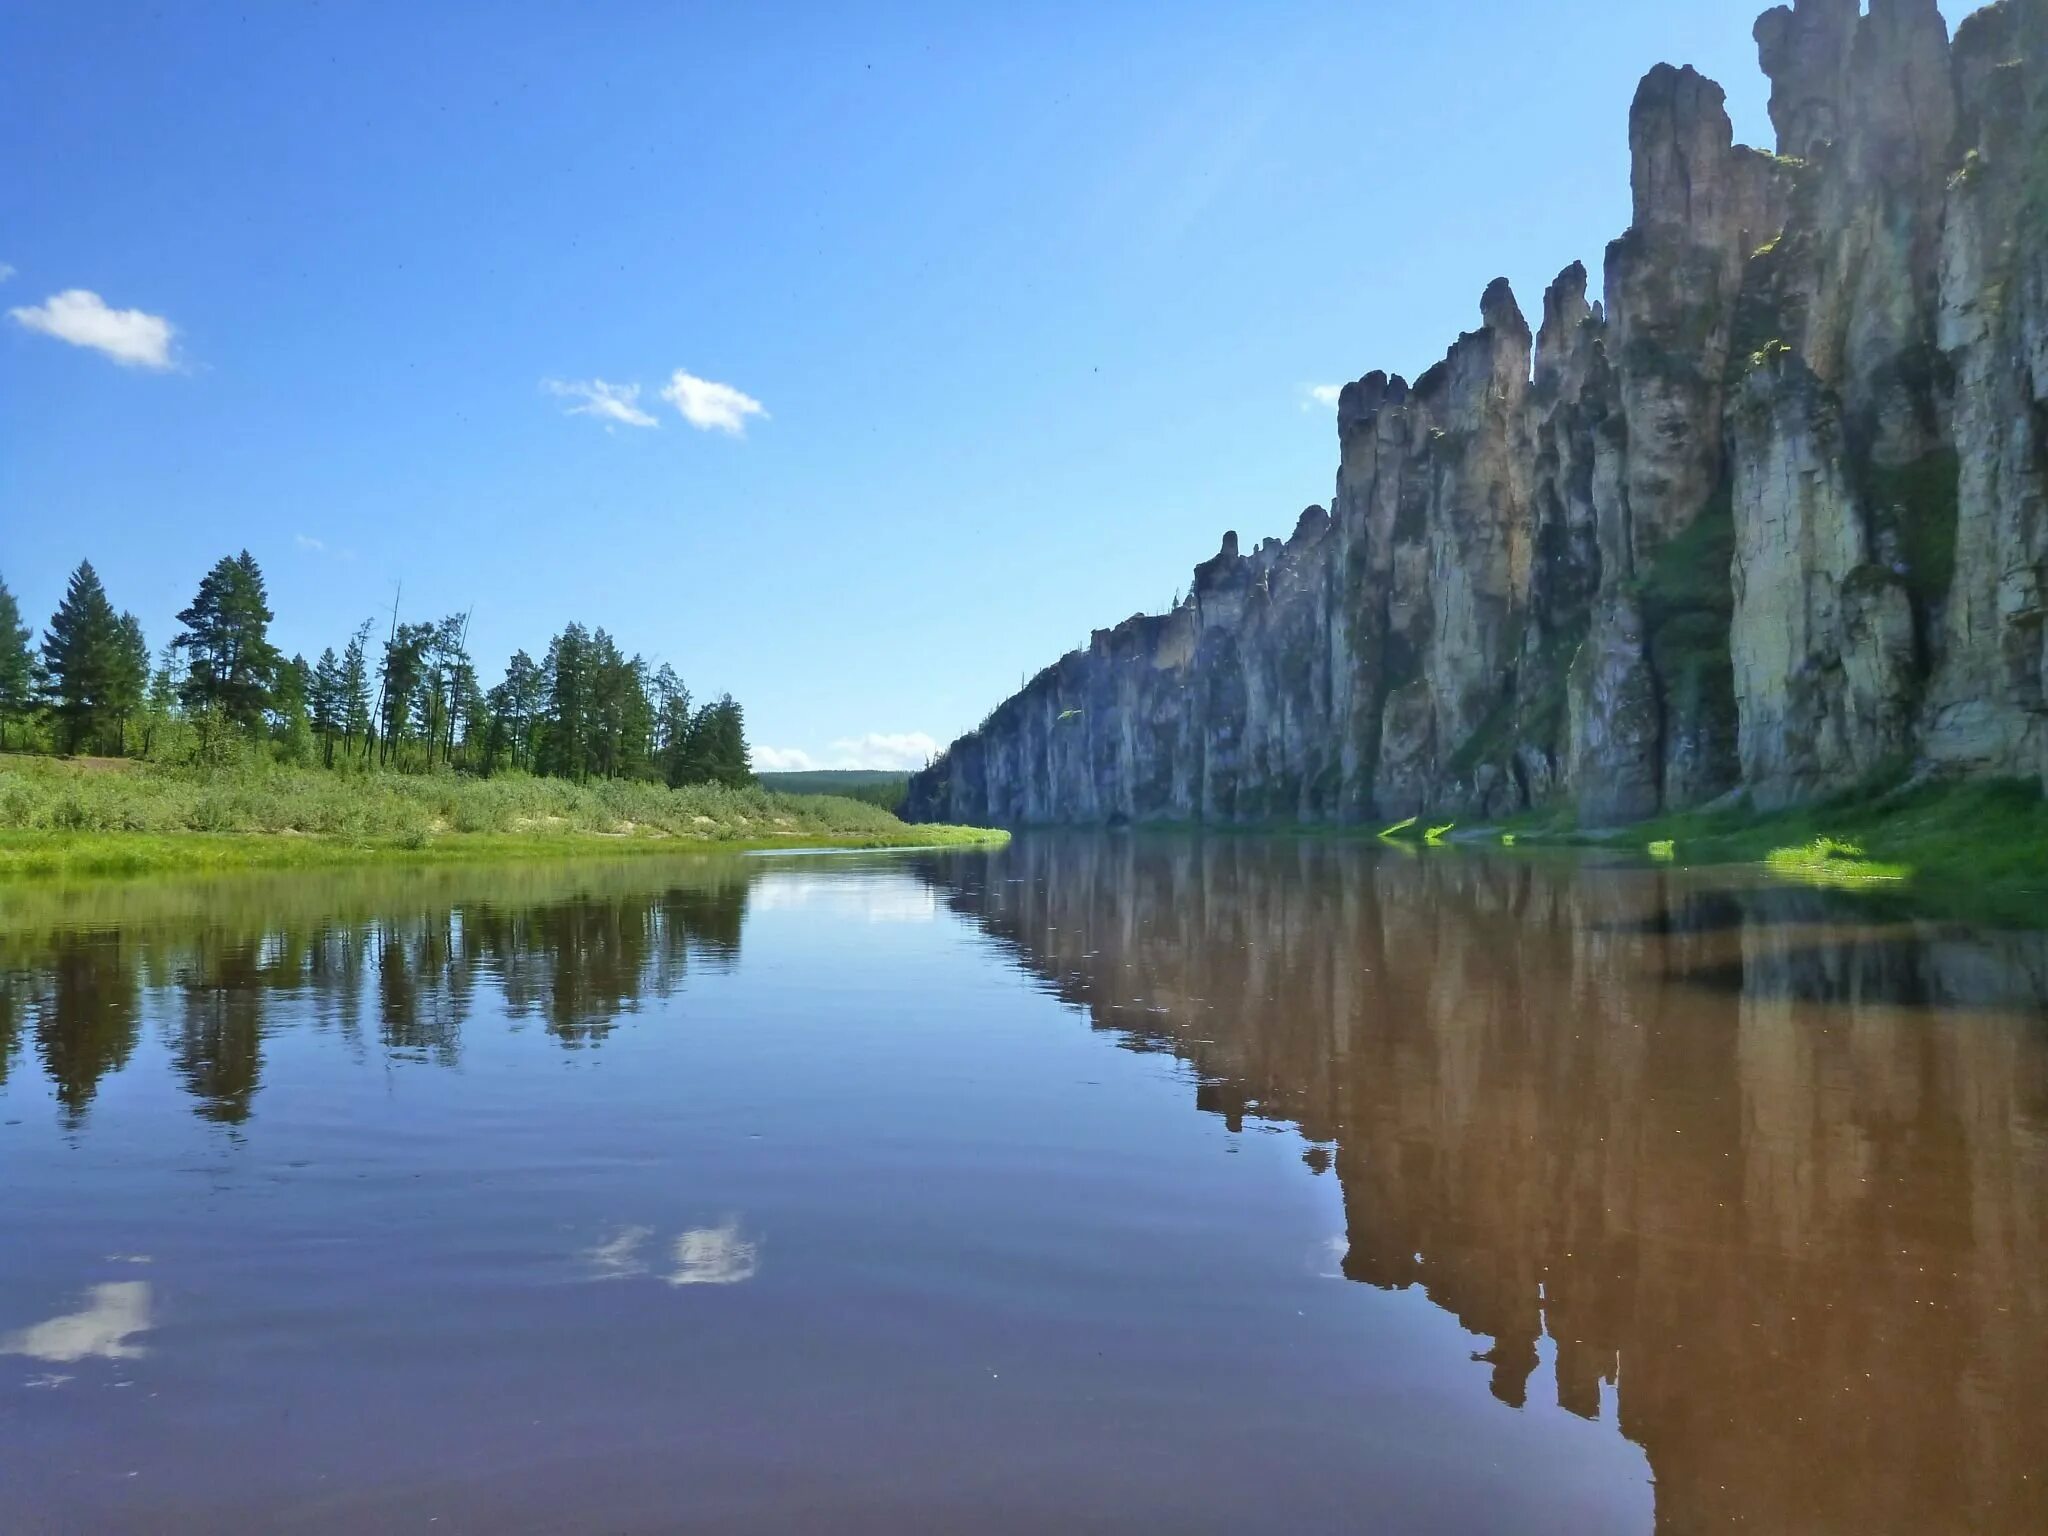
(14, 1000)
(578, 951)
(580, 965)
(217, 1045)
(88, 1016)
(424, 983)
(1715, 1146)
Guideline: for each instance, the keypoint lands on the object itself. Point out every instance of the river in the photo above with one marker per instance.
(1103, 1183)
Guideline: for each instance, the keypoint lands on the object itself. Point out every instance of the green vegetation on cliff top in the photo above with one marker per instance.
(72, 817)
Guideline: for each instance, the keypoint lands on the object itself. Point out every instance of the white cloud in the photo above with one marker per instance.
(1324, 395)
(712, 407)
(308, 543)
(81, 317)
(608, 402)
(783, 760)
(5, 271)
(906, 750)
(878, 751)
(113, 1314)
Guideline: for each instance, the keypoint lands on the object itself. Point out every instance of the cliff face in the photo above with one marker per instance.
(1774, 516)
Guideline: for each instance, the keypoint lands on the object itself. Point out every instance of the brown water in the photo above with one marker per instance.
(1103, 1184)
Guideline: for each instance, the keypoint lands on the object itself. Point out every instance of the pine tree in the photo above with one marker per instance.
(566, 752)
(17, 665)
(353, 706)
(227, 636)
(128, 677)
(671, 726)
(324, 703)
(716, 751)
(81, 659)
(405, 671)
(731, 763)
(291, 716)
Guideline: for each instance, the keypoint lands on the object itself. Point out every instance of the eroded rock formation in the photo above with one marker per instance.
(1772, 515)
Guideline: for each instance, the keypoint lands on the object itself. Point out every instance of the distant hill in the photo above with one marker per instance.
(875, 786)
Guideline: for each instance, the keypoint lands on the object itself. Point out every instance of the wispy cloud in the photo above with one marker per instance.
(610, 403)
(130, 337)
(1324, 395)
(320, 549)
(711, 407)
(5, 271)
(879, 751)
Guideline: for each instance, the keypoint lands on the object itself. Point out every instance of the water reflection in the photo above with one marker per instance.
(83, 969)
(1758, 1175)
(717, 1255)
(1773, 1175)
(103, 1328)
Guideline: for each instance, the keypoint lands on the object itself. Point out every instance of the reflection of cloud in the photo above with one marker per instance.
(714, 1256)
(113, 1313)
(888, 900)
(618, 1257)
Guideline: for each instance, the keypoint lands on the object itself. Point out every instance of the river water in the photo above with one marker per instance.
(1112, 1183)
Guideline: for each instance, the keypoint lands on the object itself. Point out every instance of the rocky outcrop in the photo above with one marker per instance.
(1771, 514)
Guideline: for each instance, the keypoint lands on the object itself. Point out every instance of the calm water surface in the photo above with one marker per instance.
(1102, 1184)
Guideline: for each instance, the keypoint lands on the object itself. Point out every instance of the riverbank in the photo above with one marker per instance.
(1984, 839)
(76, 818)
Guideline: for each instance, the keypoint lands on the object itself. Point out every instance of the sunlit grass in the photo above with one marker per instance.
(1828, 861)
(1983, 843)
(1400, 827)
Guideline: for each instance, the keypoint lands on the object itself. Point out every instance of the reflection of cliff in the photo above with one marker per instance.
(1716, 1142)
(404, 960)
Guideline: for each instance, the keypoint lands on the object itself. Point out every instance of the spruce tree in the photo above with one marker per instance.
(81, 659)
(128, 679)
(227, 636)
(17, 665)
(324, 702)
(353, 706)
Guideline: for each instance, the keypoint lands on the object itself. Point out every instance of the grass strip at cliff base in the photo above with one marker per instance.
(1983, 836)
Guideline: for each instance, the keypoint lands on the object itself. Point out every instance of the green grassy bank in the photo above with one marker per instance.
(96, 818)
(1984, 841)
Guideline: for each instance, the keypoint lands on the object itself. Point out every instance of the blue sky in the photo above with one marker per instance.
(857, 359)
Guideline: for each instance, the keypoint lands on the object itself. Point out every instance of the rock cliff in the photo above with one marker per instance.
(1771, 515)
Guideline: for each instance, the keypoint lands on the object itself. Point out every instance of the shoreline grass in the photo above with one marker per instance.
(1978, 843)
(62, 818)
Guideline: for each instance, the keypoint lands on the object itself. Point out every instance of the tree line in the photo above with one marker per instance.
(412, 702)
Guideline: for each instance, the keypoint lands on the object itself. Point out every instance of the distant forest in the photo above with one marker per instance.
(220, 693)
(874, 785)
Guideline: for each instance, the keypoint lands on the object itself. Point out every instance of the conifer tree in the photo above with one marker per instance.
(324, 703)
(17, 665)
(128, 678)
(353, 706)
(81, 660)
(226, 635)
